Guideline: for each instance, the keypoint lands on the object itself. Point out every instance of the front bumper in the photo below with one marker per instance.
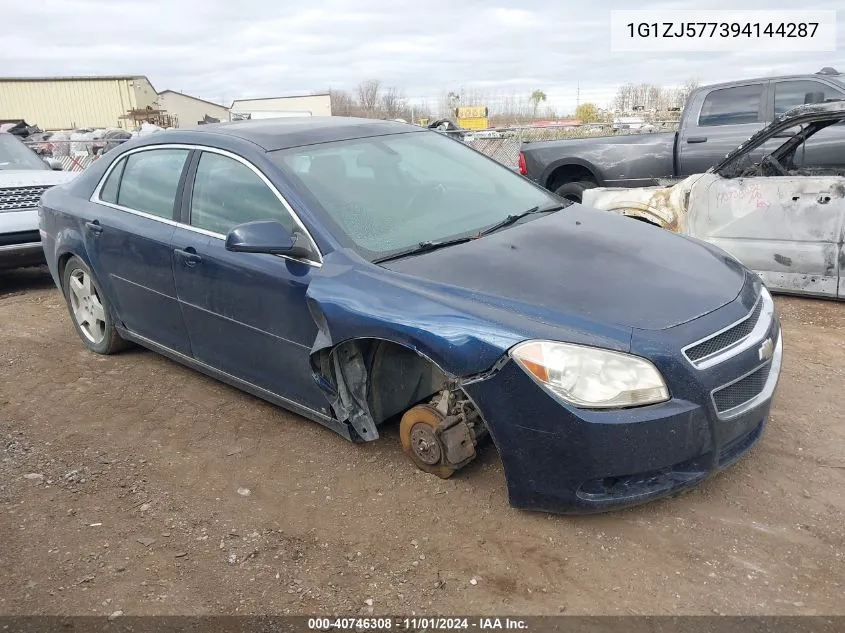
(20, 241)
(561, 459)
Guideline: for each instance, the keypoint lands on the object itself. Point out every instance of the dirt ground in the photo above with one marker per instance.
(132, 483)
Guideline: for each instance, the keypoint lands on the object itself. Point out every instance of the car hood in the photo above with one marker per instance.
(34, 177)
(603, 268)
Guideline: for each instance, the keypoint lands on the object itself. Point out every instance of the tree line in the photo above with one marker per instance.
(372, 99)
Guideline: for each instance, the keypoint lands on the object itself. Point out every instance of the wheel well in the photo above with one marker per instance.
(63, 260)
(642, 219)
(375, 380)
(569, 173)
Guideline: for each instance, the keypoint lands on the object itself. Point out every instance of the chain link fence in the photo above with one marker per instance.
(74, 154)
(501, 144)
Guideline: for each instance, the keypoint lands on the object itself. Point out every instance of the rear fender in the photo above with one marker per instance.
(68, 242)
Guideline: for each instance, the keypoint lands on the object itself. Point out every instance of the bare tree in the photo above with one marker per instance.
(393, 103)
(342, 103)
(368, 95)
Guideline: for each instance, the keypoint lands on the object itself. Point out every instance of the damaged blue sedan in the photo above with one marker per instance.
(363, 272)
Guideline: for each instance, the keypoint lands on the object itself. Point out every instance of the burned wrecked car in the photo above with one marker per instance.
(363, 273)
(782, 215)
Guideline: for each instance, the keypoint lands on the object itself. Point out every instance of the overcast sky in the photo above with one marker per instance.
(221, 50)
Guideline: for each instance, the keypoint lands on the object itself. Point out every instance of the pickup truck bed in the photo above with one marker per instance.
(630, 160)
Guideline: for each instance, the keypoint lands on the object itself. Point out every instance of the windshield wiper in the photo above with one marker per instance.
(423, 247)
(515, 217)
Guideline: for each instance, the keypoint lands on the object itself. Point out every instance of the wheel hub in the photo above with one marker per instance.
(425, 444)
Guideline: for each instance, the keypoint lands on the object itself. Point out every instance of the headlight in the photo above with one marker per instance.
(589, 377)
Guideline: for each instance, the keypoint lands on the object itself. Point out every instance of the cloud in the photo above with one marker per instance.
(221, 50)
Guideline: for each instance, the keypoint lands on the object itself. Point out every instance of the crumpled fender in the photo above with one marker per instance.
(348, 302)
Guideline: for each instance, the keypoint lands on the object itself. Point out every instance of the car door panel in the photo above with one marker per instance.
(719, 122)
(788, 229)
(246, 315)
(134, 248)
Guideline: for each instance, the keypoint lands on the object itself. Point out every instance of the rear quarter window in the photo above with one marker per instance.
(109, 191)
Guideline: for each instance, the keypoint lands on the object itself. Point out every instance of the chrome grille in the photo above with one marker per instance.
(16, 198)
(727, 338)
(738, 393)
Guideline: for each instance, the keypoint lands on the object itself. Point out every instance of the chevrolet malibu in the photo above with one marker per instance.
(364, 272)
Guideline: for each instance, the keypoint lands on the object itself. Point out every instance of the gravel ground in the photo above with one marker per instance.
(130, 483)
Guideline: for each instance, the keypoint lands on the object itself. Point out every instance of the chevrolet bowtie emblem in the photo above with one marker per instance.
(767, 349)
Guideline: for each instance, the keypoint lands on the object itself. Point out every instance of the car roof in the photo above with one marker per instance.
(287, 132)
(837, 78)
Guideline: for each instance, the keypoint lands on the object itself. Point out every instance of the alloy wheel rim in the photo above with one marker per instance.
(87, 306)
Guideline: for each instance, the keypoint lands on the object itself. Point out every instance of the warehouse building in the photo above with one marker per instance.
(63, 103)
(301, 105)
(188, 110)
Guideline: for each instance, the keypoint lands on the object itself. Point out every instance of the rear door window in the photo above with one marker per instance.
(732, 106)
(150, 180)
(227, 193)
(789, 94)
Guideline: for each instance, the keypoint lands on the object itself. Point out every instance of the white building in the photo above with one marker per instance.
(190, 111)
(267, 107)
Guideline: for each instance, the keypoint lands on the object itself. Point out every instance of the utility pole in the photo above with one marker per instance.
(578, 94)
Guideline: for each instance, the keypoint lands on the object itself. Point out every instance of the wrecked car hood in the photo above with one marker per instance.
(584, 264)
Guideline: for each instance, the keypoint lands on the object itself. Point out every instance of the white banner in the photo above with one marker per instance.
(776, 31)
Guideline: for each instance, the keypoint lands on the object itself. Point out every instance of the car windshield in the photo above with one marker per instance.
(16, 155)
(388, 194)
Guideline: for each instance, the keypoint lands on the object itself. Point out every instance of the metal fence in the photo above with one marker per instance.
(501, 144)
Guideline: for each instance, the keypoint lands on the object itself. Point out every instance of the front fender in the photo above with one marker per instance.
(348, 303)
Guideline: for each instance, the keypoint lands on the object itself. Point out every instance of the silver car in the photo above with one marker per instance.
(24, 176)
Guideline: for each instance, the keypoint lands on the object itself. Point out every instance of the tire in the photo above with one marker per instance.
(574, 191)
(89, 309)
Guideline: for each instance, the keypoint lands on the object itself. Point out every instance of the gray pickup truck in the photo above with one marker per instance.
(716, 119)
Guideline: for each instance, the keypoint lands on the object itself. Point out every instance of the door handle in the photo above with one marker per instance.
(94, 227)
(696, 139)
(188, 255)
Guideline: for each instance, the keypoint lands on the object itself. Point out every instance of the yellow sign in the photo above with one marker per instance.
(474, 123)
(472, 117)
(471, 112)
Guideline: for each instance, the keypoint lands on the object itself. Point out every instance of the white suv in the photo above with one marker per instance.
(24, 176)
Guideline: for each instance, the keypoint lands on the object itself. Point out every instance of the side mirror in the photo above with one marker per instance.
(269, 237)
(55, 165)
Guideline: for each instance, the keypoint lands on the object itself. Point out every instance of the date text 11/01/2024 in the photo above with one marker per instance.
(417, 623)
(722, 29)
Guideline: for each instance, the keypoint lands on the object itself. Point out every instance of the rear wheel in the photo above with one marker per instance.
(574, 191)
(89, 309)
